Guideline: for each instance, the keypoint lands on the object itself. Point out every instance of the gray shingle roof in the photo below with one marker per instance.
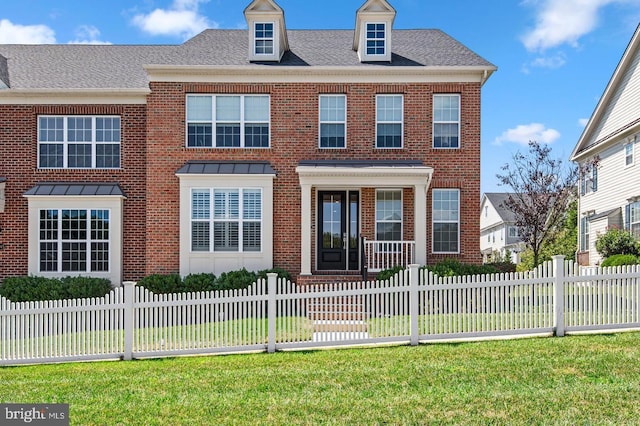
(497, 199)
(227, 168)
(121, 66)
(76, 189)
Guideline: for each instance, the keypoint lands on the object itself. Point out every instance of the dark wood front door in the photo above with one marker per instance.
(338, 236)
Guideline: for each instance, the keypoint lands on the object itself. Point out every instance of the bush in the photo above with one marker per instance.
(161, 284)
(31, 289)
(453, 267)
(388, 273)
(234, 280)
(199, 282)
(617, 241)
(620, 260)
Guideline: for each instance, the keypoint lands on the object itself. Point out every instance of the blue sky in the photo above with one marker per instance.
(554, 57)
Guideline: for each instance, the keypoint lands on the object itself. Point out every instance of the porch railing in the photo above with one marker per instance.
(381, 255)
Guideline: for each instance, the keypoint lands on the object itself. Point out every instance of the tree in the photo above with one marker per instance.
(541, 188)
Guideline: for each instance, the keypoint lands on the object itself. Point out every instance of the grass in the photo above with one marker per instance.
(571, 380)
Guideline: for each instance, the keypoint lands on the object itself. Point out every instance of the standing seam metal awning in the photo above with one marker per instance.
(74, 189)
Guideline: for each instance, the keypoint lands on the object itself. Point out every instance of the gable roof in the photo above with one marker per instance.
(124, 67)
(497, 200)
(608, 121)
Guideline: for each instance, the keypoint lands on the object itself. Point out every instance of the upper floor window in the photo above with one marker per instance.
(333, 121)
(446, 221)
(80, 142)
(236, 121)
(446, 121)
(263, 38)
(589, 180)
(514, 232)
(628, 154)
(376, 39)
(389, 121)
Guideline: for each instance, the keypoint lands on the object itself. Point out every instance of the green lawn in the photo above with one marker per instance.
(570, 380)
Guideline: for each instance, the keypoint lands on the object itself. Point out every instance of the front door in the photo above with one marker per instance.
(339, 234)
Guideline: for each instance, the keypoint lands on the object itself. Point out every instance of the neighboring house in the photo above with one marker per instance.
(317, 151)
(607, 153)
(498, 233)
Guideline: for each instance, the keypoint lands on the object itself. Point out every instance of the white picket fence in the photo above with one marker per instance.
(275, 314)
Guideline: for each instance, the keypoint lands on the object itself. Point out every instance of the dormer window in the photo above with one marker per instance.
(376, 39)
(264, 38)
(268, 40)
(372, 38)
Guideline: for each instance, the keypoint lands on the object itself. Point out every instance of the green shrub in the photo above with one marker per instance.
(620, 260)
(453, 267)
(236, 280)
(617, 241)
(162, 284)
(28, 289)
(199, 282)
(388, 273)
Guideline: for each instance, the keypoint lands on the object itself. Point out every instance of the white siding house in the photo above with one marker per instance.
(497, 231)
(608, 155)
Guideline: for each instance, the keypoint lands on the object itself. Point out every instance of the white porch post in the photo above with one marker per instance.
(305, 222)
(420, 223)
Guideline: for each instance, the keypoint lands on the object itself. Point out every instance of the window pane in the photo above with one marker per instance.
(79, 156)
(226, 204)
(51, 129)
(48, 224)
(252, 204)
(48, 257)
(228, 135)
(199, 135)
(108, 156)
(108, 129)
(225, 236)
(74, 257)
(332, 136)
(446, 216)
(389, 215)
(99, 257)
(389, 136)
(200, 236)
(445, 237)
(99, 224)
(256, 136)
(74, 224)
(445, 135)
(389, 231)
(51, 155)
(79, 129)
(228, 108)
(256, 108)
(389, 108)
(200, 204)
(332, 108)
(199, 108)
(251, 236)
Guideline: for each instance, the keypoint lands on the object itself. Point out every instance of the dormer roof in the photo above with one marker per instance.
(268, 39)
(372, 37)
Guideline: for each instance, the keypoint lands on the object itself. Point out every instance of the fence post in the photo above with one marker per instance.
(414, 280)
(272, 279)
(129, 292)
(558, 298)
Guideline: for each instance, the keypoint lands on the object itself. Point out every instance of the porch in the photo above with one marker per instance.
(362, 216)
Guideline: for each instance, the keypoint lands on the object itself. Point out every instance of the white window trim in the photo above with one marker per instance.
(240, 220)
(390, 221)
(218, 262)
(320, 122)
(458, 122)
(433, 222)
(214, 121)
(626, 155)
(367, 39)
(256, 39)
(113, 204)
(65, 142)
(391, 122)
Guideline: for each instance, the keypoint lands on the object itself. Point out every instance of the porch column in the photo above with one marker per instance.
(420, 223)
(305, 223)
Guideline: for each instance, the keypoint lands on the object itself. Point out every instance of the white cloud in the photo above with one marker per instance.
(87, 34)
(525, 133)
(181, 19)
(25, 34)
(582, 122)
(563, 22)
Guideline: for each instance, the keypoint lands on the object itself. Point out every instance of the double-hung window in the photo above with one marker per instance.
(589, 180)
(389, 215)
(446, 121)
(263, 38)
(376, 39)
(232, 121)
(333, 121)
(632, 218)
(446, 221)
(389, 121)
(628, 153)
(584, 234)
(226, 220)
(79, 142)
(74, 240)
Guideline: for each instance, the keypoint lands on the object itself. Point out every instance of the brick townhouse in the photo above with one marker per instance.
(317, 151)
